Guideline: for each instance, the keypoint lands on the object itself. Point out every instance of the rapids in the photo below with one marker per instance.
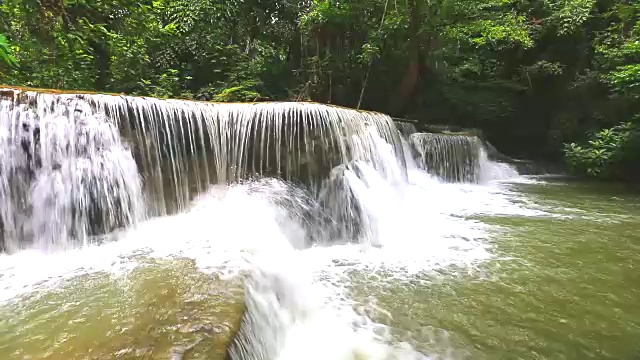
(291, 200)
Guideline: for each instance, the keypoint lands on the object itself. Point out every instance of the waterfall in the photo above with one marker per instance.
(291, 194)
(94, 162)
(451, 157)
(458, 158)
(406, 129)
(74, 152)
(64, 173)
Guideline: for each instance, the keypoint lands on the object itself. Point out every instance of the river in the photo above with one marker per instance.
(559, 285)
(532, 269)
(139, 228)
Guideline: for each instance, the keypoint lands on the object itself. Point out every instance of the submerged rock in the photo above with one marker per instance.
(178, 352)
(136, 315)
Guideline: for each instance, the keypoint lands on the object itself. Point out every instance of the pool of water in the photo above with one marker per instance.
(563, 285)
(536, 269)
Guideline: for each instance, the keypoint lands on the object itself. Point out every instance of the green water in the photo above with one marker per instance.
(560, 287)
(565, 286)
(157, 308)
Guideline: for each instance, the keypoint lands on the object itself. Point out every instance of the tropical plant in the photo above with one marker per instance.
(609, 154)
(533, 74)
(5, 53)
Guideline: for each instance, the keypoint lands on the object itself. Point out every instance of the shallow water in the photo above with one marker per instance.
(524, 270)
(560, 286)
(154, 309)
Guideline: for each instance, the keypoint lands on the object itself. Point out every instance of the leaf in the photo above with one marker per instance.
(5, 53)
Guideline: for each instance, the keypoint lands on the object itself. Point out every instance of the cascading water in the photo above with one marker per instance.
(451, 157)
(223, 143)
(406, 128)
(306, 195)
(457, 158)
(64, 173)
(181, 148)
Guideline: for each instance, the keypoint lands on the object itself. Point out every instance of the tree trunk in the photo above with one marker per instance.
(102, 64)
(408, 84)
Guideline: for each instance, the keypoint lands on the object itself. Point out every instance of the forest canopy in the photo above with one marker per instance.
(543, 79)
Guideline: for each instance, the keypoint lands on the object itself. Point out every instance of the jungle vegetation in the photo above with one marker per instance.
(544, 79)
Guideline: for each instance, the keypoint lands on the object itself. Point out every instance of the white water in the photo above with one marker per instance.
(296, 295)
(182, 147)
(458, 158)
(386, 217)
(62, 174)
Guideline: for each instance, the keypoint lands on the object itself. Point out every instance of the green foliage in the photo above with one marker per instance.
(506, 30)
(5, 52)
(533, 74)
(237, 93)
(568, 16)
(325, 12)
(614, 153)
(626, 79)
(609, 154)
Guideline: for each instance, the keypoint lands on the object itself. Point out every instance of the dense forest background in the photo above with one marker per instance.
(544, 79)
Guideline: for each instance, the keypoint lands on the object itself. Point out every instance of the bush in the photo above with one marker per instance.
(609, 154)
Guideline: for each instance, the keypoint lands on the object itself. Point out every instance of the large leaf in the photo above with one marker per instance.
(5, 52)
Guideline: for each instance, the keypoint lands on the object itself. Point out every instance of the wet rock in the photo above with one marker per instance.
(529, 167)
(179, 352)
(341, 216)
(8, 94)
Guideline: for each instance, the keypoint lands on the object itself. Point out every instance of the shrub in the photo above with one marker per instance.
(609, 154)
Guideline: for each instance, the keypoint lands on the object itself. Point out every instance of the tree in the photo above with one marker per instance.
(614, 153)
(533, 74)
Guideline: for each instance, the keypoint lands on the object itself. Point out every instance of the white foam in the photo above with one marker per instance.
(300, 294)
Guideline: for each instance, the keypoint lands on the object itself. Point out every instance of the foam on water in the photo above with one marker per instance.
(288, 314)
(240, 228)
(377, 213)
(294, 296)
(458, 158)
(495, 171)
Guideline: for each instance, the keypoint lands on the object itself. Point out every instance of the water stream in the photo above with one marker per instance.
(294, 231)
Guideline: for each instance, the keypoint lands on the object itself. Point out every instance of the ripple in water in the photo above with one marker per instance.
(296, 253)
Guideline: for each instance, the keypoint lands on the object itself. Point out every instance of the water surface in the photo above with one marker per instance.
(564, 285)
(527, 270)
